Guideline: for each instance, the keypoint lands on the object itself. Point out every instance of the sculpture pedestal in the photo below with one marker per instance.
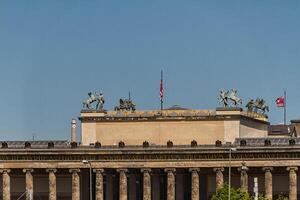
(92, 113)
(229, 111)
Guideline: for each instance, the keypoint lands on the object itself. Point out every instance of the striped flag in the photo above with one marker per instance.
(280, 102)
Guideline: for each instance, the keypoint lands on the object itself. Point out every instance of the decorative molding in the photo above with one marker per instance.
(5, 171)
(194, 170)
(218, 169)
(98, 170)
(27, 170)
(170, 170)
(149, 155)
(292, 168)
(267, 169)
(51, 170)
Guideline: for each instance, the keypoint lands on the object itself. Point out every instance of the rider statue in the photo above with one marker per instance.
(226, 96)
(258, 106)
(94, 97)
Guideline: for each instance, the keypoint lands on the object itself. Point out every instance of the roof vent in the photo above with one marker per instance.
(218, 143)
(27, 145)
(98, 145)
(50, 145)
(145, 144)
(267, 142)
(169, 144)
(4, 145)
(73, 145)
(121, 144)
(292, 142)
(194, 143)
(243, 143)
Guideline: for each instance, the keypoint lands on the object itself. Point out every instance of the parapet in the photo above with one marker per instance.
(219, 113)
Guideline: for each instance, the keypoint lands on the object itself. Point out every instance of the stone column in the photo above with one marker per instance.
(5, 184)
(293, 183)
(170, 183)
(244, 178)
(99, 183)
(73, 130)
(268, 182)
(52, 183)
(29, 183)
(123, 184)
(195, 193)
(146, 184)
(219, 177)
(75, 184)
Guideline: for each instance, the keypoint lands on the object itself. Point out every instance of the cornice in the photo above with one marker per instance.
(152, 155)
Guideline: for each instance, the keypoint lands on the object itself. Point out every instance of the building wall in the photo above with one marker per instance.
(250, 129)
(179, 132)
(156, 132)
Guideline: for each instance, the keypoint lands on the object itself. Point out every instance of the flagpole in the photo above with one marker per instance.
(284, 112)
(161, 90)
(129, 97)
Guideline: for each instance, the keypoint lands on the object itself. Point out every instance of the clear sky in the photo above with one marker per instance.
(52, 53)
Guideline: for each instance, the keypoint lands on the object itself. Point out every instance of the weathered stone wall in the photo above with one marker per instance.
(133, 133)
(252, 129)
(224, 126)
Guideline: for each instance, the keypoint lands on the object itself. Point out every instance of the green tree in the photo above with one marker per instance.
(235, 194)
(282, 197)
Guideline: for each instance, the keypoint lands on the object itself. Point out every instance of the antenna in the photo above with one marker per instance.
(33, 136)
(129, 97)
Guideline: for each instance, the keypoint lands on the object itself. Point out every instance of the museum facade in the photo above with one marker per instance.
(171, 154)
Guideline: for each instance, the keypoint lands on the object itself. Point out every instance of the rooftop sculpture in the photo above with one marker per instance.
(125, 105)
(258, 106)
(94, 97)
(226, 96)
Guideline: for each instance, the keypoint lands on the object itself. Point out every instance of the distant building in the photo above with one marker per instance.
(177, 154)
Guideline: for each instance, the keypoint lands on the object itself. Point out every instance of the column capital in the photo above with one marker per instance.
(194, 169)
(4, 171)
(74, 170)
(27, 170)
(98, 170)
(172, 170)
(267, 169)
(146, 170)
(51, 170)
(292, 168)
(122, 170)
(218, 169)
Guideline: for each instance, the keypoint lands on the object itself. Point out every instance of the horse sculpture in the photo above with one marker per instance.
(94, 97)
(258, 106)
(125, 105)
(225, 97)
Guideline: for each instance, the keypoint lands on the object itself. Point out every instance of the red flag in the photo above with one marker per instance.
(280, 102)
(161, 91)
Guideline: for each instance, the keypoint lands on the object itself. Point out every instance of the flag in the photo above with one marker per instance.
(161, 90)
(280, 102)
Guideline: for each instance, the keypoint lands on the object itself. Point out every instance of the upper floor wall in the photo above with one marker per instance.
(178, 126)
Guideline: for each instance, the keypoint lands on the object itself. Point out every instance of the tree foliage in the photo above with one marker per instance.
(282, 197)
(235, 194)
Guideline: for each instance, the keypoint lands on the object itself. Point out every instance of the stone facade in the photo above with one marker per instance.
(181, 127)
(154, 170)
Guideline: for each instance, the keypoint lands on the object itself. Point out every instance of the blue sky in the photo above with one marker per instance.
(52, 53)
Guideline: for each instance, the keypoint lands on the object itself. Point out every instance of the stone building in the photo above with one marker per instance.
(176, 154)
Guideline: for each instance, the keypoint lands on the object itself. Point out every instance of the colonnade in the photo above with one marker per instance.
(146, 174)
